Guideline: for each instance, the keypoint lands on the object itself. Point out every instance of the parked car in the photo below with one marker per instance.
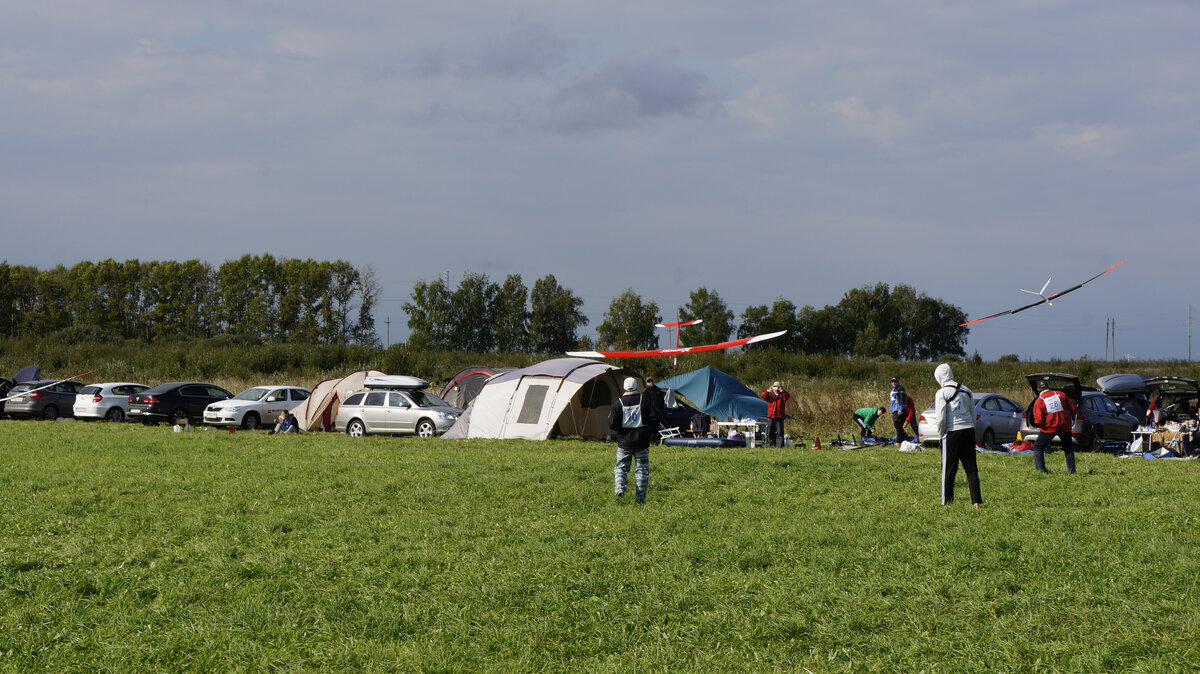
(44, 398)
(24, 375)
(395, 406)
(255, 406)
(1175, 398)
(175, 402)
(1097, 419)
(679, 416)
(997, 420)
(105, 401)
(1128, 391)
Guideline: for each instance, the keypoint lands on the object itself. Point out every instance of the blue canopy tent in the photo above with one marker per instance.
(717, 394)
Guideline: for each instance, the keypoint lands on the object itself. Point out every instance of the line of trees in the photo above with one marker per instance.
(289, 300)
(480, 315)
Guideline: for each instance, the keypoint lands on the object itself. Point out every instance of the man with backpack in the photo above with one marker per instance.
(955, 411)
(634, 417)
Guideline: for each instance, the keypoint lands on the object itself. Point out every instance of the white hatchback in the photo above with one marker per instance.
(105, 401)
(255, 407)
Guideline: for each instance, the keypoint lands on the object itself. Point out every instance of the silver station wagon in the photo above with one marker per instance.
(401, 411)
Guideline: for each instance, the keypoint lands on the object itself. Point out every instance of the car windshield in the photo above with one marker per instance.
(21, 387)
(426, 399)
(90, 390)
(254, 394)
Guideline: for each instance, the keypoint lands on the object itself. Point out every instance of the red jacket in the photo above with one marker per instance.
(910, 410)
(776, 402)
(1053, 422)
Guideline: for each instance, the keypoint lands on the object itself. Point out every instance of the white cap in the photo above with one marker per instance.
(630, 384)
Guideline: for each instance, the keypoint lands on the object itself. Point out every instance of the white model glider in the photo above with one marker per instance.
(1044, 298)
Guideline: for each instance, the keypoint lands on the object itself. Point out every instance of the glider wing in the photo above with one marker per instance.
(679, 350)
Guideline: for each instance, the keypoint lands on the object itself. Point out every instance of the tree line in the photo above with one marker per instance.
(482, 316)
(289, 300)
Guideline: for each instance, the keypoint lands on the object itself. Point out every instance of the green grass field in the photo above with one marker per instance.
(134, 548)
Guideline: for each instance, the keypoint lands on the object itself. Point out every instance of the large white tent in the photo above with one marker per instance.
(563, 396)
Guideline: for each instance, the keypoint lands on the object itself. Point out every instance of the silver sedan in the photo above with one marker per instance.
(997, 420)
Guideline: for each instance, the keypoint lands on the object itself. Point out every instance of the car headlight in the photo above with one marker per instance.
(448, 416)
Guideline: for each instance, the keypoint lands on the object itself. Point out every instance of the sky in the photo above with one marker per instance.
(761, 150)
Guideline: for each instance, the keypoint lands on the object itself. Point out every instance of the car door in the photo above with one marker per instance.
(63, 395)
(274, 403)
(374, 412)
(1115, 427)
(403, 412)
(1008, 421)
(194, 399)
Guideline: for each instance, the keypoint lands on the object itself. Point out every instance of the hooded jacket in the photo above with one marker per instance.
(952, 404)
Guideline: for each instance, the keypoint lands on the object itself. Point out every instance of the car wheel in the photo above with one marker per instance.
(50, 412)
(989, 439)
(178, 417)
(115, 414)
(356, 429)
(426, 429)
(250, 421)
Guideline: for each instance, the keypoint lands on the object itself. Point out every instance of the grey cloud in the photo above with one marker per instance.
(630, 89)
(526, 49)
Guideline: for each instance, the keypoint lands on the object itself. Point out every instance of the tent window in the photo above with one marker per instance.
(595, 394)
(531, 408)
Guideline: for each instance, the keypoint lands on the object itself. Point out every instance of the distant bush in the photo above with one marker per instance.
(85, 334)
(1009, 358)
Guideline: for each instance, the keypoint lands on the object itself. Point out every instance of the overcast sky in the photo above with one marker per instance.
(761, 149)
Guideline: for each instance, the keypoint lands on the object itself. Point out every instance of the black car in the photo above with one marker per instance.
(44, 398)
(176, 402)
(1173, 398)
(679, 416)
(1097, 419)
(1128, 391)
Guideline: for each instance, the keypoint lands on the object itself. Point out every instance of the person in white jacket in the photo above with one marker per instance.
(955, 411)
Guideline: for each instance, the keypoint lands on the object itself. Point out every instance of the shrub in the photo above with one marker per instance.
(1009, 358)
(85, 334)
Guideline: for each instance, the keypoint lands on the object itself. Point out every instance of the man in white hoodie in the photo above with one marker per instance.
(955, 411)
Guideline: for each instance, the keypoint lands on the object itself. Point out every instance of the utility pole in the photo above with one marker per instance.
(1107, 332)
(1189, 333)
(387, 332)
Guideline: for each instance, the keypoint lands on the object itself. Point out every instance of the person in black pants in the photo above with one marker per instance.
(955, 411)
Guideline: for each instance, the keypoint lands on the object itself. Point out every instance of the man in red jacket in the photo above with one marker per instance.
(1053, 414)
(776, 398)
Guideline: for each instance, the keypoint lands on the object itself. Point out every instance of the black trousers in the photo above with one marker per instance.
(959, 447)
(898, 422)
(1043, 441)
(775, 432)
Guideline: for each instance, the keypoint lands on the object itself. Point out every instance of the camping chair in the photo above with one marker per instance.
(664, 433)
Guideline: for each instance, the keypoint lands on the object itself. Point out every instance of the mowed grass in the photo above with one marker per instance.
(132, 548)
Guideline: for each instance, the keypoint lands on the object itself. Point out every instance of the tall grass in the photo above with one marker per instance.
(131, 548)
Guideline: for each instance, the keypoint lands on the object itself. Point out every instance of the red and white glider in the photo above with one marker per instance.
(678, 350)
(1045, 299)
